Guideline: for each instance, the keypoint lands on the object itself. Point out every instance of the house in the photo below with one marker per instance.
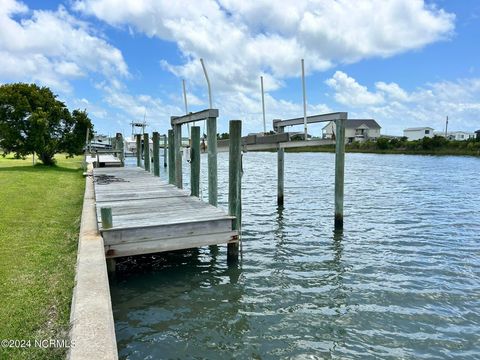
(355, 130)
(418, 133)
(456, 135)
(477, 133)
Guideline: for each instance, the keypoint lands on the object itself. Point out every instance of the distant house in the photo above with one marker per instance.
(355, 130)
(418, 133)
(477, 133)
(456, 135)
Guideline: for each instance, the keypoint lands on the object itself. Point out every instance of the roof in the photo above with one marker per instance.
(477, 131)
(356, 123)
(418, 128)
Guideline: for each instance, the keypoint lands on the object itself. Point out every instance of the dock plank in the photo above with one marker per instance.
(150, 215)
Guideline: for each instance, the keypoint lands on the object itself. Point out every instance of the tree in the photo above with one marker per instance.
(223, 136)
(33, 120)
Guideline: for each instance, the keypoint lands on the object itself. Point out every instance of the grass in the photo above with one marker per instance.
(40, 219)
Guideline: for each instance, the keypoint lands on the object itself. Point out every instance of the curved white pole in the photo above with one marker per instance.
(186, 105)
(185, 97)
(208, 83)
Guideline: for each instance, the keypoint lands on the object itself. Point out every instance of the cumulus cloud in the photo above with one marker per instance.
(349, 92)
(243, 39)
(52, 47)
(396, 108)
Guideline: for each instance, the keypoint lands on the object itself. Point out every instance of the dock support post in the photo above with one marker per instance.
(120, 147)
(107, 223)
(195, 161)
(177, 133)
(280, 170)
(234, 183)
(106, 216)
(111, 265)
(339, 171)
(146, 152)
(138, 138)
(156, 153)
(171, 158)
(164, 150)
(212, 160)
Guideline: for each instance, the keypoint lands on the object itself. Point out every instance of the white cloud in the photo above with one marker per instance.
(241, 40)
(134, 106)
(396, 109)
(52, 47)
(392, 90)
(349, 92)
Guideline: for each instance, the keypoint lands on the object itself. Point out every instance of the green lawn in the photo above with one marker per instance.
(40, 219)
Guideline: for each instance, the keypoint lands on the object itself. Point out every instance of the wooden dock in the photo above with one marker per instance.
(149, 215)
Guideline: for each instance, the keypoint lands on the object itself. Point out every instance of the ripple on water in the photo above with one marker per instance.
(401, 281)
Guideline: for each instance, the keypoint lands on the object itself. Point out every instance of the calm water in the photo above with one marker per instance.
(402, 281)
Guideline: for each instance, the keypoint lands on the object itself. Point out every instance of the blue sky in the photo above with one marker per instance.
(403, 62)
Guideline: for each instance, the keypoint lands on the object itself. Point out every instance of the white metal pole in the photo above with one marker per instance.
(185, 97)
(186, 105)
(304, 100)
(208, 83)
(263, 106)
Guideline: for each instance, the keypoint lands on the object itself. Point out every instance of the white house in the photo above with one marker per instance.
(456, 135)
(418, 133)
(355, 130)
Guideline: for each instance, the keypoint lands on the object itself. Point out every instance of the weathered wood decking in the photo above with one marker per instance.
(151, 216)
(106, 160)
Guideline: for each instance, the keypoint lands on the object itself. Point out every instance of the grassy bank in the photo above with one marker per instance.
(426, 146)
(41, 208)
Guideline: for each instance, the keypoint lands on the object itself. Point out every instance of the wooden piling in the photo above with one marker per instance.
(171, 158)
(111, 266)
(138, 138)
(339, 171)
(212, 160)
(177, 133)
(164, 150)
(120, 147)
(280, 172)
(146, 152)
(195, 161)
(156, 153)
(106, 216)
(107, 223)
(234, 183)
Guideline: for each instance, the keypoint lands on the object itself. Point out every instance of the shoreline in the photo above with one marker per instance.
(438, 152)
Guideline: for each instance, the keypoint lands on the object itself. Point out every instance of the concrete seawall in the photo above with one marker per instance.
(92, 326)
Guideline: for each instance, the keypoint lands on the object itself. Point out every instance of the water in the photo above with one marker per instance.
(401, 281)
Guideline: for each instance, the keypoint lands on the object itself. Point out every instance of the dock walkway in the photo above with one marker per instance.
(149, 215)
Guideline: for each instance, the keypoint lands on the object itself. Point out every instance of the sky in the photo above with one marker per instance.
(404, 63)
